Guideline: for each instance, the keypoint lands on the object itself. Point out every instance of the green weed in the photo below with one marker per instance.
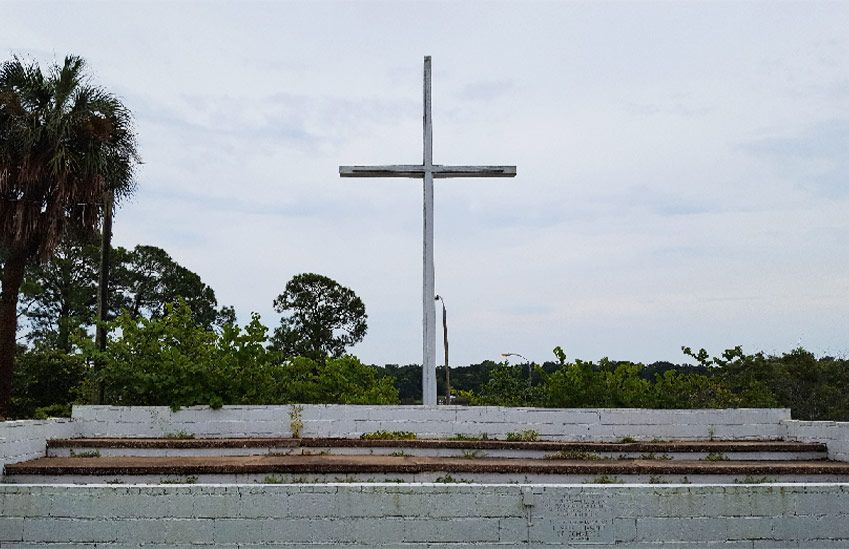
(653, 456)
(604, 479)
(85, 454)
(482, 436)
(187, 480)
(575, 455)
(448, 479)
(749, 479)
(389, 435)
(523, 436)
(296, 422)
(178, 435)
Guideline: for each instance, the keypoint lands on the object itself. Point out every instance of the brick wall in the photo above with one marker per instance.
(27, 439)
(750, 516)
(440, 421)
(835, 434)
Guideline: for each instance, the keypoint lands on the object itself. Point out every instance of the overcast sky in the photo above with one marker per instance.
(683, 168)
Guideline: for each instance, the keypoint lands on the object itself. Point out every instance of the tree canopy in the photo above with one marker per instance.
(63, 144)
(320, 318)
(170, 360)
(58, 297)
(146, 279)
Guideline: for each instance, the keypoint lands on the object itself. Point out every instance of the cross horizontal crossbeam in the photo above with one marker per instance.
(427, 171)
(417, 171)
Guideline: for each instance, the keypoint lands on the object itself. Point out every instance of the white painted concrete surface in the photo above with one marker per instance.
(435, 421)
(426, 477)
(425, 515)
(835, 434)
(27, 439)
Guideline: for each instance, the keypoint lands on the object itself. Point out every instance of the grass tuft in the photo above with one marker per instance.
(523, 436)
(389, 435)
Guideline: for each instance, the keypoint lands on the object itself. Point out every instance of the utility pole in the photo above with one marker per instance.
(445, 346)
(103, 280)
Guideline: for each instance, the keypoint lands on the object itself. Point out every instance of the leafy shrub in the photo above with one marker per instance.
(54, 410)
(507, 386)
(171, 361)
(45, 383)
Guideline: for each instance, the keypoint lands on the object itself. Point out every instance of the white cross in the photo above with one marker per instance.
(428, 171)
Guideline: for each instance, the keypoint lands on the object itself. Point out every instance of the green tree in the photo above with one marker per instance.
(166, 360)
(58, 296)
(170, 360)
(342, 380)
(673, 389)
(321, 318)
(146, 279)
(408, 380)
(46, 380)
(749, 377)
(508, 386)
(63, 144)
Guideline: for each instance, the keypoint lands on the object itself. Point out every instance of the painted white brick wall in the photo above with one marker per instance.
(440, 421)
(835, 434)
(432, 515)
(27, 439)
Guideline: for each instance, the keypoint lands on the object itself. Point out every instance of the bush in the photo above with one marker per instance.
(507, 386)
(173, 362)
(606, 385)
(47, 380)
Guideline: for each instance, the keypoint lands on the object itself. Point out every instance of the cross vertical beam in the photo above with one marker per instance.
(427, 171)
(428, 282)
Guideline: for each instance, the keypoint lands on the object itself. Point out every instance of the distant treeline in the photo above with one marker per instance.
(172, 344)
(813, 388)
(170, 361)
(472, 378)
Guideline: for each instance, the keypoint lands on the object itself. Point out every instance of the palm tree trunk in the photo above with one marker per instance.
(103, 278)
(103, 282)
(12, 277)
(63, 336)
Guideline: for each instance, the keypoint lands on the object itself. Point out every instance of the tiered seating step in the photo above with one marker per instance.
(694, 450)
(324, 468)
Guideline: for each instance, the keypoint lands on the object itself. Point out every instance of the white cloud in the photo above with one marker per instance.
(681, 166)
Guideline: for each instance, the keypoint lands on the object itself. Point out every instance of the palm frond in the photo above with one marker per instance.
(63, 144)
(66, 79)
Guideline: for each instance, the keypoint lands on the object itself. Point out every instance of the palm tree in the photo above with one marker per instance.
(64, 143)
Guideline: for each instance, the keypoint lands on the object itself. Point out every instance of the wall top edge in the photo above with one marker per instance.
(812, 422)
(801, 486)
(430, 408)
(35, 422)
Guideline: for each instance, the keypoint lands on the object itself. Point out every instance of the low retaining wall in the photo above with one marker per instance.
(806, 515)
(27, 439)
(834, 434)
(433, 421)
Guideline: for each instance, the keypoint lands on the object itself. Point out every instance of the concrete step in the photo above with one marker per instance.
(662, 450)
(376, 468)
